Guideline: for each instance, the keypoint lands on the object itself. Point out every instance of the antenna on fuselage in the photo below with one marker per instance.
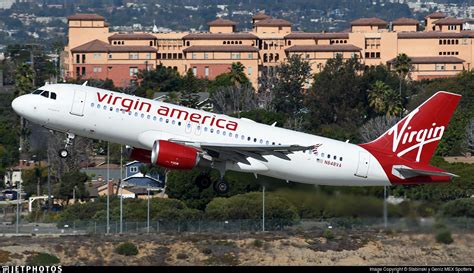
(273, 125)
(85, 83)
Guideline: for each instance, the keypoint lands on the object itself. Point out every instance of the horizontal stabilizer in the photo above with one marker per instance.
(405, 172)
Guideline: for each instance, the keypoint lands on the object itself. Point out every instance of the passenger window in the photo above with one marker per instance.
(53, 96)
(223, 133)
(322, 155)
(340, 158)
(329, 156)
(45, 94)
(335, 157)
(92, 104)
(142, 115)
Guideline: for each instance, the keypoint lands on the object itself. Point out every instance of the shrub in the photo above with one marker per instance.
(42, 259)
(444, 236)
(328, 234)
(182, 256)
(257, 243)
(127, 249)
(463, 207)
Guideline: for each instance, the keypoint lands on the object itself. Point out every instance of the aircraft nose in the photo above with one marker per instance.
(16, 105)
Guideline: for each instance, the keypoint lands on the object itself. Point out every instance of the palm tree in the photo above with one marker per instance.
(384, 99)
(237, 75)
(377, 96)
(402, 67)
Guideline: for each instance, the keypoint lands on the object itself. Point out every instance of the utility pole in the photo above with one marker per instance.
(50, 201)
(263, 208)
(18, 210)
(108, 190)
(385, 213)
(121, 189)
(148, 211)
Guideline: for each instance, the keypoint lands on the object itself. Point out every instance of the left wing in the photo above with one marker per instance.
(240, 153)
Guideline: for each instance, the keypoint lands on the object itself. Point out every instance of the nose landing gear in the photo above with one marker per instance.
(63, 153)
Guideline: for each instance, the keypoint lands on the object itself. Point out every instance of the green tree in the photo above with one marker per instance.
(402, 65)
(384, 100)
(161, 79)
(337, 102)
(290, 85)
(70, 181)
(237, 75)
(189, 90)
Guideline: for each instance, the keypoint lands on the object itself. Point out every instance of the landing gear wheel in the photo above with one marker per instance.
(203, 181)
(221, 186)
(63, 153)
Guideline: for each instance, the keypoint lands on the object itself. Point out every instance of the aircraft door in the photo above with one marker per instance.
(363, 166)
(78, 102)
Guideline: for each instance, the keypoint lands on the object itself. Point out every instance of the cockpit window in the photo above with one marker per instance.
(45, 94)
(36, 92)
(53, 95)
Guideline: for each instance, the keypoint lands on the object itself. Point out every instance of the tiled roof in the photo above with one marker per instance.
(373, 21)
(405, 22)
(132, 36)
(223, 48)
(323, 48)
(434, 35)
(99, 46)
(92, 46)
(436, 15)
(317, 35)
(222, 22)
(86, 16)
(432, 60)
(220, 36)
(261, 16)
(273, 22)
(448, 21)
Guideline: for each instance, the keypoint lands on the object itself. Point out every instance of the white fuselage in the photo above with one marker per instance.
(81, 111)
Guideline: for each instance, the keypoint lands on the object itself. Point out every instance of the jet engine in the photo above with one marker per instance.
(174, 156)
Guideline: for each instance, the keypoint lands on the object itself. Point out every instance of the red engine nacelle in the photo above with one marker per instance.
(174, 156)
(141, 155)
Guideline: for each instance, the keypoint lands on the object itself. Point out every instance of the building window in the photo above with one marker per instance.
(180, 55)
(235, 55)
(158, 55)
(206, 71)
(83, 58)
(195, 71)
(250, 56)
(206, 55)
(194, 56)
(97, 69)
(134, 169)
(133, 71)
(110, 55)
(148, 56)
(78, 71)
(133, 56)
(440, 67)
(249, 71)
(83, 71)
(97, 56)
(78, 58)
(175, 56)
(109, 68)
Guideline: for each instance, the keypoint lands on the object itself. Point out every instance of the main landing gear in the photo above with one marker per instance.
(63, 153)
(203, 181)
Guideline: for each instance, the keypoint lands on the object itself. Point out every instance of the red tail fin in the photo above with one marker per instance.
(416, 136)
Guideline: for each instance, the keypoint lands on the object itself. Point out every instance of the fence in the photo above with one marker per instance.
(236, 226)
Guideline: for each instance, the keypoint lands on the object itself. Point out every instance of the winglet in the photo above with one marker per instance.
(85, 83)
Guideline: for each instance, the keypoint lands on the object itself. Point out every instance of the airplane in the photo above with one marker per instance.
(181, 138)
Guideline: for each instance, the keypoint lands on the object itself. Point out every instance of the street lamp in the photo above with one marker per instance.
(74, 194)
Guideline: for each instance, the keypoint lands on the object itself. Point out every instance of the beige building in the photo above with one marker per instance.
(442, 49)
